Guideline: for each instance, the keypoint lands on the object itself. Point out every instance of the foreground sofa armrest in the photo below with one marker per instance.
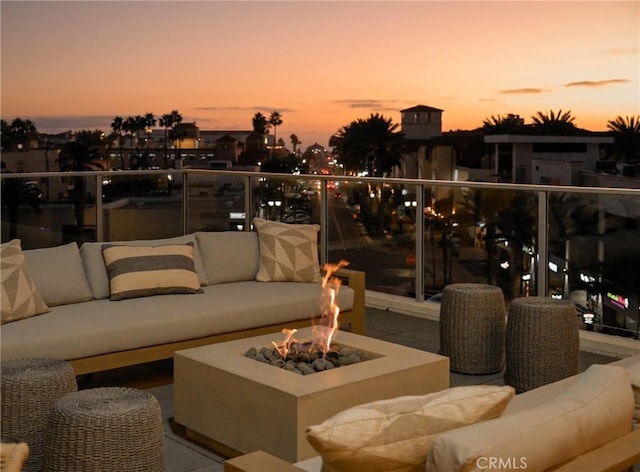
(617, 455)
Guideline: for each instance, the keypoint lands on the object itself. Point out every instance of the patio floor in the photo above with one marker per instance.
(185, 456)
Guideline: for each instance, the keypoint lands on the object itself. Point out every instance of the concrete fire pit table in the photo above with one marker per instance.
(235, 405)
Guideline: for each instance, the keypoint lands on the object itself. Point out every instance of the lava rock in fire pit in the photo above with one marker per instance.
(305, 360)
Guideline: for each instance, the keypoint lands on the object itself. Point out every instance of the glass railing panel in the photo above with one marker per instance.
(45, 211)
(215, 202)
(478, 235)
(372, 226)
(594, 258)
(144, 205)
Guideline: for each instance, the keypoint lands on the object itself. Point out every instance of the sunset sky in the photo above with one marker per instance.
(321, 64)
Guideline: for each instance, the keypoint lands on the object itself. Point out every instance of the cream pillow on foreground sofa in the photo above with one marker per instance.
(597, 409)
(396, 434)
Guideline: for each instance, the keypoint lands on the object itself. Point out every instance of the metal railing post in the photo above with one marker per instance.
(248, 203)
(185, 202)
(324, 222)
(543, 244)
(419, 243)
(99, 215)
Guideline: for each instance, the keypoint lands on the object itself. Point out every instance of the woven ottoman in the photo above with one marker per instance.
(105, 429)
(472, 328)
(542, 342)
(29, 388)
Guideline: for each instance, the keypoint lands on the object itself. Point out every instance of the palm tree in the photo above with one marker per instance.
(260, 123)
(18, 132)
(275, 120)
(505, 124)
(295, 142)
(129, 127)
(169, 121)
(626, 131)
(77, 155)
(554, 123)
(149, 123)
(117, 127)
(373, 144)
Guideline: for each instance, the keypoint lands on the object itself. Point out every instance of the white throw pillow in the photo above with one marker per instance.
(20, 297)
(595, 410)
(396, 434)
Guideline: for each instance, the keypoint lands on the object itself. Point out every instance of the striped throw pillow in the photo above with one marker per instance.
(142, 271)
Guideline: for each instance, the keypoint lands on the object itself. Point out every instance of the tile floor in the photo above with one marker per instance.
(186, 456)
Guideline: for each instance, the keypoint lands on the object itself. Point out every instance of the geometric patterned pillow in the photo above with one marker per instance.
(288, 252)
(142, 271)
(20, 297)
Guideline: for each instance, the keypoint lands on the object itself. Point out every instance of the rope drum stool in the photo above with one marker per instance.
(105, 429)
(29, 389)
(542, 343)
(472, 328)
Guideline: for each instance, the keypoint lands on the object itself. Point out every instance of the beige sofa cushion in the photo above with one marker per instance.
(396, 434)
(229, 256)
(288, 252)
(20, 296)
(59, 274)
(594, 410)
(97, 273)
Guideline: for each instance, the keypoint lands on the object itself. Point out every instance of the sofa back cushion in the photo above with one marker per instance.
(97, 273)
(59, 274)
(596, 409)
(229, 256)
(20, 296)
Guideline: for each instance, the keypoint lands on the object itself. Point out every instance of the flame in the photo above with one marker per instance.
(324, 331)
(283, 348)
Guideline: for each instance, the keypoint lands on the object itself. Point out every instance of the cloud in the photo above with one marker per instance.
(597, 83)
(524, 91)
(374, 104)
(256, 109)
(58, 124)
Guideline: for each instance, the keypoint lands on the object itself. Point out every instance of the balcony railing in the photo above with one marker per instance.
(412, 237)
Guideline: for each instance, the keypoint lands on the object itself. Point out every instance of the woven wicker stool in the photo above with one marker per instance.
(542, 342)
(29, 389)
(105, 429)
(472, 328)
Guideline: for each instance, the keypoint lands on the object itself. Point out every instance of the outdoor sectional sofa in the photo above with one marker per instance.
(587, 422)
(86, 326)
